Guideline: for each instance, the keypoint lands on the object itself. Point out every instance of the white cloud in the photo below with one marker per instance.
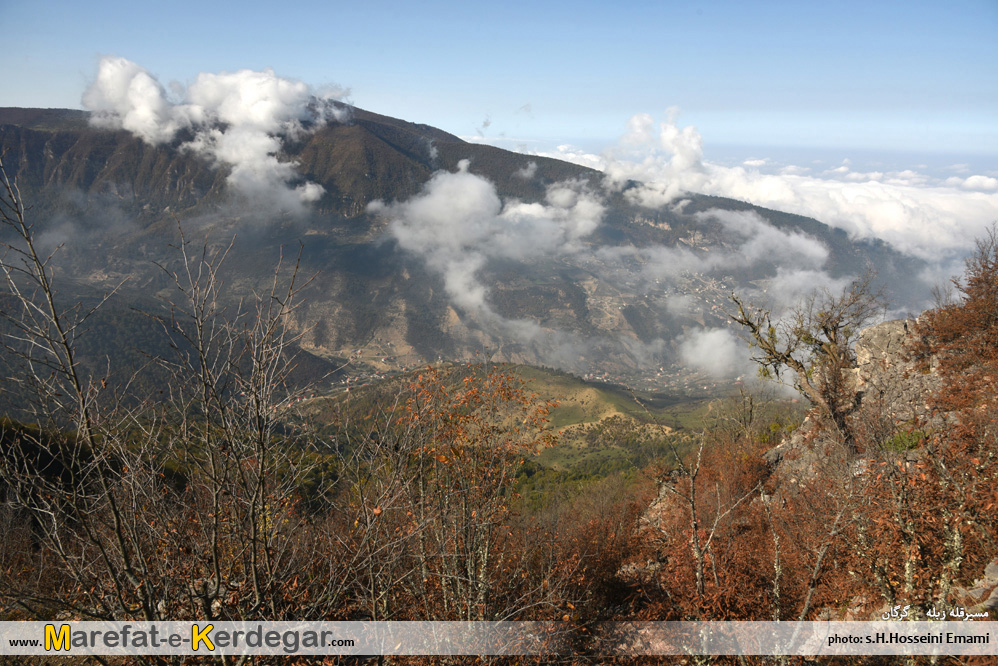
(667, 160)
(980, 183)
(860, 177)
(716, 351)
(750, 240)
(930, 218)
(764, 242)
(125, 96)
(573, 154)
(238, 118)
(655, 164)
(527, 172)
(791, 284)
(459, 222)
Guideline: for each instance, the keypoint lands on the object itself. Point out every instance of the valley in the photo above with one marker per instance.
(616, 302)
(419, 364)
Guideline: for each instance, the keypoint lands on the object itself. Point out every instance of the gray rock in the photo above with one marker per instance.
(991, 571)
(890, 379)
(774, 455)
(883, 341)
(892, 391)
(977, 593)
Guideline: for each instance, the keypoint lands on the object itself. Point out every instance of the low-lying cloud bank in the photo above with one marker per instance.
(931, 218)
(459, 223)
(238, 119)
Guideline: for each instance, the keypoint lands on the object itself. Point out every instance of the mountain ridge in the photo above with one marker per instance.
(366, 157)
(118, 200)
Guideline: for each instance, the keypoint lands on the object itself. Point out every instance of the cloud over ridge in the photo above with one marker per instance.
(459, 223)
(238, 119)
(930, 218)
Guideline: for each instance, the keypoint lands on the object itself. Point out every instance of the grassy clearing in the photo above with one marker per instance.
(603, 430)
(581, 402)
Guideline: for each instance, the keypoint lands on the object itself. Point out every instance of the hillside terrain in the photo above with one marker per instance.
(890, 508)
(615, 304)
(219, 439)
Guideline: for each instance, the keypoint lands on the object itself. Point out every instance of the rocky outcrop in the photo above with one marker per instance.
(889, 373)
(983, 595)
(893, 388)
(893, 384)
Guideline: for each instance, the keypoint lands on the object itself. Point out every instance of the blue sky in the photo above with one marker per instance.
(878, 76)
(880, 118)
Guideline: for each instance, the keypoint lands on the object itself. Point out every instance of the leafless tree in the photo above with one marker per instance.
(705, 514)
(187, 506)
(215, 499)
(814, 344)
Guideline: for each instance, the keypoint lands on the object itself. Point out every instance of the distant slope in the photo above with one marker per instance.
(114, 203)
(364, 158)
(602, 429)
